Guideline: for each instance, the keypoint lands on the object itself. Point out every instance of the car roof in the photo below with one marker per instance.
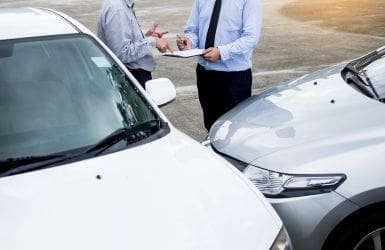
(33, 22)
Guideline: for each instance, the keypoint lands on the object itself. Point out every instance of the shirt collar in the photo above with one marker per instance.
(130, 3)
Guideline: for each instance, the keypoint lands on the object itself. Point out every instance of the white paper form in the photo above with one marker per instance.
(186, 53)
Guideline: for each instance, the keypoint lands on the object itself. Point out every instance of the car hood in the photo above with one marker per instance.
(286, 127)
(169, 194)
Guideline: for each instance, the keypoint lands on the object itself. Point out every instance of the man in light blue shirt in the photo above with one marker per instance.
(119, 29)
(228, 30)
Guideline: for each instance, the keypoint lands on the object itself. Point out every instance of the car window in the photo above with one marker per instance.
(62, 93)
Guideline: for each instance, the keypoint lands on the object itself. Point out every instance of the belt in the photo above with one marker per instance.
(139, 70)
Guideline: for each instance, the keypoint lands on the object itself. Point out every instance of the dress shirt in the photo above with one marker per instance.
(119, 29)
(237, 34)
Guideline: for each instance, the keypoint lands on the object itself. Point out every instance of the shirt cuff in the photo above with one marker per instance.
(225, 53)
(151, 41)
(193, 41)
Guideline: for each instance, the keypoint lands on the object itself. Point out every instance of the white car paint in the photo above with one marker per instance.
(171, 193)
(168, 194)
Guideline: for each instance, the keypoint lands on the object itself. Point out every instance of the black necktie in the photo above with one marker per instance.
(210, 38)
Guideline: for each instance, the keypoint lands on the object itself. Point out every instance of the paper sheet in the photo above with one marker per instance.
(186, 53)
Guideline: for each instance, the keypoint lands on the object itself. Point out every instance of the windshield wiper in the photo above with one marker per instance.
(130, 135)
(28, 163)
(369, 83)
(368, 59)
(358, 81)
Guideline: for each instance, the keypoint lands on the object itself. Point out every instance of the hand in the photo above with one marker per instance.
(152, 31)
(183, 43)
(162, 45)
(212, 54)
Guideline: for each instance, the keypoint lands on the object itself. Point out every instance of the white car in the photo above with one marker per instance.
(88, 161)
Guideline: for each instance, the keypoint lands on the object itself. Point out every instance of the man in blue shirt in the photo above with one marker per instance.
(119, 29)
(229, 30)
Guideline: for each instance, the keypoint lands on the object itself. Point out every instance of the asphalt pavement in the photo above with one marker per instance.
(298, 36)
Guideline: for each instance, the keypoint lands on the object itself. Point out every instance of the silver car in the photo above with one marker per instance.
(315, 147)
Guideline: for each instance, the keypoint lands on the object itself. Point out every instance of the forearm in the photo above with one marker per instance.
(243, 44)
(134, 50)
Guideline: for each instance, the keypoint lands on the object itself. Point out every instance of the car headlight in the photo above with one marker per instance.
(279, 185)
(282, 242)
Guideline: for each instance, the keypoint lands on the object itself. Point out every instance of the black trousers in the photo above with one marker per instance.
(220, 91)
(141, 75)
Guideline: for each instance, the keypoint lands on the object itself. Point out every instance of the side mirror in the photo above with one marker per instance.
(162, 91)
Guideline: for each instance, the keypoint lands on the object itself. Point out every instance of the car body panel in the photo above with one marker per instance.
(175, 197)
(266, 131)
(281, 123)
(39, 22)
(317, 215)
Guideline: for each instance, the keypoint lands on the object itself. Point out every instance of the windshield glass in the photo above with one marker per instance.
(376, 74)
(60, 94)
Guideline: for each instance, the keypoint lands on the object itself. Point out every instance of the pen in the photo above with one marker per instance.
(182, 40)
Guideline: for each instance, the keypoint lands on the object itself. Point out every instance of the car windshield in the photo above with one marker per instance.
(62, 93)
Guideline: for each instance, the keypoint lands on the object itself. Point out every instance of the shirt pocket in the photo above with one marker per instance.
(204, 13)
(232, 20)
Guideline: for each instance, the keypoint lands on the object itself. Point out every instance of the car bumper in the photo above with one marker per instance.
(310, 219)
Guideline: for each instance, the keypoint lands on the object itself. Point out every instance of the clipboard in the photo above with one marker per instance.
(185, 53)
